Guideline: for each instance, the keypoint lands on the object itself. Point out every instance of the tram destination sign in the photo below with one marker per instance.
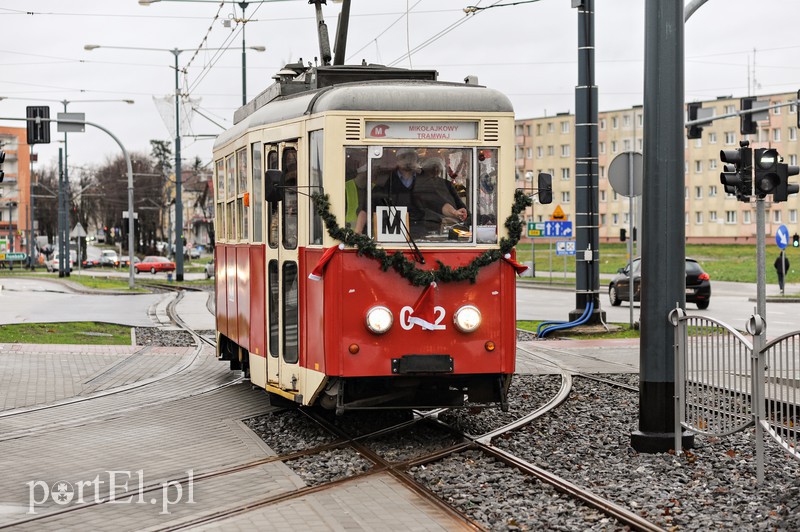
(550, 229)
(422, 130)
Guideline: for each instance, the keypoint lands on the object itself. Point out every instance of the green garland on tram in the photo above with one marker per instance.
(406, 268)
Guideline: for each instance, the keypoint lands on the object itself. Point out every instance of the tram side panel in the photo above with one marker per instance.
(221, 286)
(314, 320)
(242, 311)
(258, 302)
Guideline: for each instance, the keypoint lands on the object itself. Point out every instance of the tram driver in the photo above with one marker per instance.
(405, 186)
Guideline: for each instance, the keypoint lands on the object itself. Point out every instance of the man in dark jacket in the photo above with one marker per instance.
(782, 267)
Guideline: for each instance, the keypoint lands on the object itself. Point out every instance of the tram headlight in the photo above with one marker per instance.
(379, 319)
(467, 318)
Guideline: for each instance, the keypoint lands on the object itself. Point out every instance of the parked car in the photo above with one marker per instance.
(125, 261)
(209, 269)
(698, 284)
(109, 258)
(194, 253)
(154, 264)
(91, 263)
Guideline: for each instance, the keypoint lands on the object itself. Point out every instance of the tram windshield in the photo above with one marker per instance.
(430, 194)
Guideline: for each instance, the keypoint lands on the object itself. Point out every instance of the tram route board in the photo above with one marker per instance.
(550, 229)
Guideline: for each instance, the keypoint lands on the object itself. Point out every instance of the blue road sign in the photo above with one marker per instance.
(557, 229)
(565, 247)
(782, 237)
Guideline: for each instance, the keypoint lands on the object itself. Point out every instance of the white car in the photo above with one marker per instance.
(52, 264)
(109, 258)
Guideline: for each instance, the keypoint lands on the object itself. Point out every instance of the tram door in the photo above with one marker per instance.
(282, 272)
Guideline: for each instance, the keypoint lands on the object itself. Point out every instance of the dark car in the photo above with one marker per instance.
(698, 284)
(154, 264)
(125, 261)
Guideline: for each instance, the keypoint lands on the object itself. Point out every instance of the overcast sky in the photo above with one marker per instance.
(527, 51)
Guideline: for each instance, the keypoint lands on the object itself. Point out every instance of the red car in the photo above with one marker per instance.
(155, 264)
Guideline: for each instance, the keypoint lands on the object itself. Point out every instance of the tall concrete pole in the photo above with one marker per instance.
(663, 231)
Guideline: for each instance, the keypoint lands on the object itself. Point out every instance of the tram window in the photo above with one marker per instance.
(290, 313)
(221, 180)
(274, 291)
(487, 197)
(229, 221)
(433, 186)
(289, 202)
(258, 192)
(231, 186)
(272, 208)
(315, 177)
(355, 188)
(241, 211)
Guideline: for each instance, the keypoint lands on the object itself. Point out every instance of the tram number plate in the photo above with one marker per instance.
(422, 364)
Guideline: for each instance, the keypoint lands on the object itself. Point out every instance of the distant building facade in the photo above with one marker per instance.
(547, 144)
(15, 190)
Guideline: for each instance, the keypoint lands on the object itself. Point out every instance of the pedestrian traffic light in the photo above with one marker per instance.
(766, 171)
(623, 235)
(747, 126)
(737, 171)
(694, 132)
(784, 187)
(545, 187)
(796, 241)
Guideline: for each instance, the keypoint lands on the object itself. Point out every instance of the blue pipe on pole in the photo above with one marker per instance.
(587, 312)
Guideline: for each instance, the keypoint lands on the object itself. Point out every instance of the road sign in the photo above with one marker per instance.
(782, 237)
(549, 229)
(558, 214)
(71, 127)
(565, 247)
(135, 215)
(78, 231)
(625, 174)
(13, 256)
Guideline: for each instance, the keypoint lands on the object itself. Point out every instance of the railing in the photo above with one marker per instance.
(725, 383)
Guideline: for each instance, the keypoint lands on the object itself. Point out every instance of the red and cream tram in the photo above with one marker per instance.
(364, 240)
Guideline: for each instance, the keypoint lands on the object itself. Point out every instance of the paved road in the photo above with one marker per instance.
(732, 303)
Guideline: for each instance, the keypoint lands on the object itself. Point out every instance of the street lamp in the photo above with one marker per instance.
(178, 179)
(243, 20)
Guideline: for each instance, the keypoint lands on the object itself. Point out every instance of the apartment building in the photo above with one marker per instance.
(547, 144)
(15, 194)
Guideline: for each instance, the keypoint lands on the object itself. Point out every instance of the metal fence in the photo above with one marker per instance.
(725, 383)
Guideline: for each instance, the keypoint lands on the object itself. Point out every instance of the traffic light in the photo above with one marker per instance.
(623, 235)
(747, 126)
(545, 187)
(784, 187)
(766, 167)
(694, 132)
(38, 124)
(737, 171)
(796, 241)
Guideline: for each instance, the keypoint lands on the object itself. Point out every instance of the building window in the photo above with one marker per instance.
(776, 135)
(698, 192)
(539, 129)
(776, 217)
(698, 167)
(602, 219)
(730, 137)
(746, 217)
(626, 144)
(602, 172)
(712, 216)
(792, 133)
(603, 123)
(528, 130)
(565, 196)
(613, 146)
(565, 150)
(730, 217)
(793, 159)
(615, 219)
(518, 130)
(792, 109)
(777, 110)
(603, 197)
(565, 174)
(730, 109)
(614, 122)
(625, 217)
(685, 193)
(640, 142)
(539, 152)
(712, 164)
(551, 151)
(686, 218)
(565, 126)
(712, 137)
(626, 121)
(685, 167)
(550, 127)
(529, 153)
(698, 218)
(792, 216)
(602, 147)
(712, 191)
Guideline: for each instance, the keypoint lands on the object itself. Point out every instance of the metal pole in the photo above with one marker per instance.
(587, 236)
(178, 192)
(630, 236)
(61, 213)
(243, 5)
(663, 277)
(66, 200)
(761, 261)
(31, 246)
(783, 270)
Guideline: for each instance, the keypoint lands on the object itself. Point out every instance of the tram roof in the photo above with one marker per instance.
(384, 95)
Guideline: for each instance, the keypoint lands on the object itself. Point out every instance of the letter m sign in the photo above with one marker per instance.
(389, 223)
